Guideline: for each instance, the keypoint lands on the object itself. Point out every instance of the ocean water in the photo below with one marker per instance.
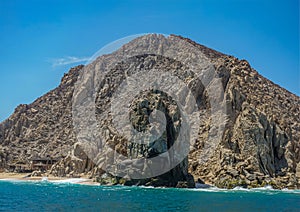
(67, 196)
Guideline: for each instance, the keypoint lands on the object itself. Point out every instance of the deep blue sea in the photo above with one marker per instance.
(48, 196)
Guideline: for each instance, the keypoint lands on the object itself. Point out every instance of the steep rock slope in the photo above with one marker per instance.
(41, 128)
(260, 144)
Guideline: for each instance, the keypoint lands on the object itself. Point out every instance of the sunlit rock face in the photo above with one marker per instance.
(259, 143)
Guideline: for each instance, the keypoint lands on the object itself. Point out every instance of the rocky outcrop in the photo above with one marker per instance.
(150, 104)
(41, 128)
(260, 144)
(75, 164)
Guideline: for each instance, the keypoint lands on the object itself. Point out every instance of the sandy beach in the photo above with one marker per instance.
(24, 177)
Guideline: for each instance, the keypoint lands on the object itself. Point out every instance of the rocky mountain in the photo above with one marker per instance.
(241, 129)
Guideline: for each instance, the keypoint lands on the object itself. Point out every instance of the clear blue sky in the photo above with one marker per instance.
(38, 38)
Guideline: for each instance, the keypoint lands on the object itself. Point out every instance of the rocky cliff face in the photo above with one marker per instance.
(259, 145)
(41, 128)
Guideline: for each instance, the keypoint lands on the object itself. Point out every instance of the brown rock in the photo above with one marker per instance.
(261, 139)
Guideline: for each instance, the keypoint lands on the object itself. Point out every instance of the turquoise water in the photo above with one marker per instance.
(46, 196)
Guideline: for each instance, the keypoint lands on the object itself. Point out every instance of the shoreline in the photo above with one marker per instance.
(7, 176)
(88, 182)
(23, 177)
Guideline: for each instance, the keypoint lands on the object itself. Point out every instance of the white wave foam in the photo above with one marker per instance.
(46, 180)
(265, 188)
(69, 181)
(210, 189)
(151, 187)
(238, 188)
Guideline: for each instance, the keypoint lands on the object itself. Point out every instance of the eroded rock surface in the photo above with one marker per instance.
(260, 144)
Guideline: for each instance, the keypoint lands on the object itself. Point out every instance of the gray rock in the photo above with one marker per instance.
(261, 132)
